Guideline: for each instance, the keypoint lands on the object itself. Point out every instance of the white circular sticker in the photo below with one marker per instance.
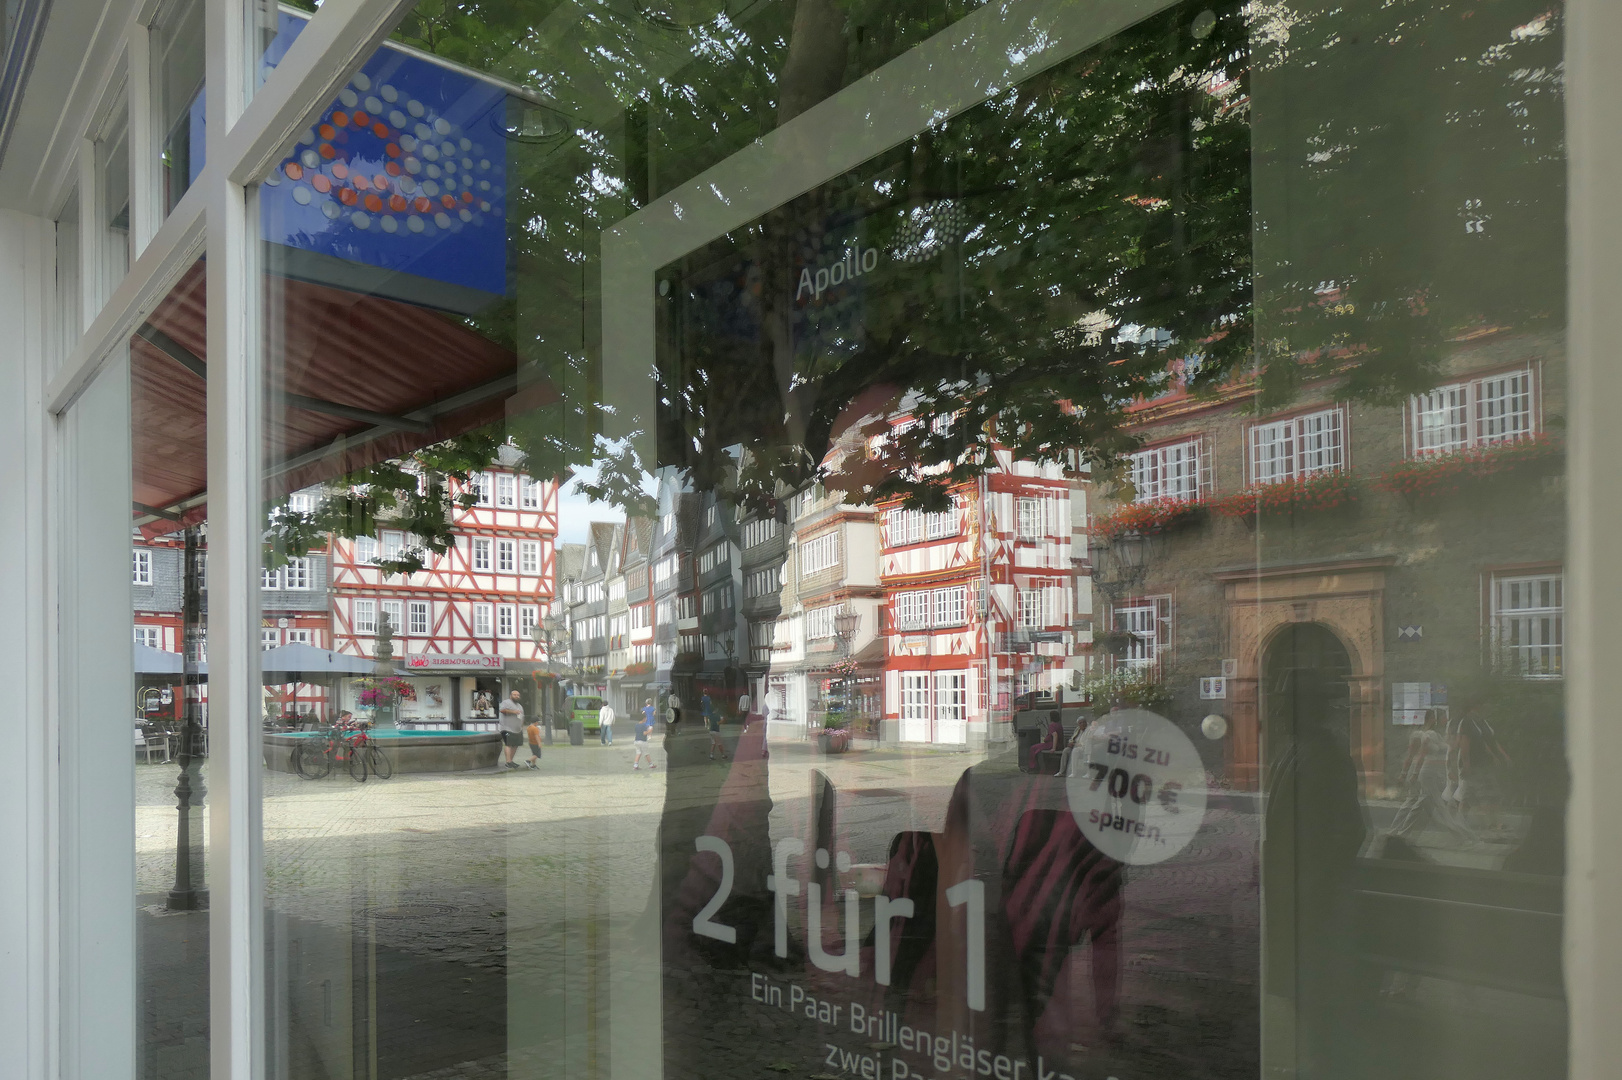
(1137, 787)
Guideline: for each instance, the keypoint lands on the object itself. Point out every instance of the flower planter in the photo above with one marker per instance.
(1148, 518)
(833, 740)
(1319, 494)
(1436, 476)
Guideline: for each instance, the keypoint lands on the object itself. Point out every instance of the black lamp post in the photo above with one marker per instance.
(846, 624)
(188, 893)
(1125, 562)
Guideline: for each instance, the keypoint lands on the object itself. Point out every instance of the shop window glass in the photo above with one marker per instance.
(1197, 292)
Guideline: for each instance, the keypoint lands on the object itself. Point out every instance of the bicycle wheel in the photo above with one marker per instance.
(311, 759)
(378, 763)
(357, 763)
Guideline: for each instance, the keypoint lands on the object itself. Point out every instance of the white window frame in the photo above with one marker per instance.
(363, 617)
(506, 494)
(365, 550)
(916, 707)
(1149, 619)
(529, 557)
(912, 610)
(1175, 470)
(269, 637)
(480, 559)
(300, 637)
(506, 557)
(141, 566)
(296, 575)
(482, 489)
(1294, 447)
(529, 494)
(419, 618)
(819, 554)
(393, 544)
(483, 621)
(1528, 623)
(1469, 414)
(394, 611)
(150, 636)
(506, 620)
(529, 617)
(1030, 518)
(950, 606)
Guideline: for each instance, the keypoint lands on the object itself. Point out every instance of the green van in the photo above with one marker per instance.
(584, 708)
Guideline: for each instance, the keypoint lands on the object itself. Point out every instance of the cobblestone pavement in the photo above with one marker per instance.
(507, 924)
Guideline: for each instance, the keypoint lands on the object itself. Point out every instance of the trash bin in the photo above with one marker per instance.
(577, 733)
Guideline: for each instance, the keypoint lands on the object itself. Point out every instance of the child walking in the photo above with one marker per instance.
(533, 730)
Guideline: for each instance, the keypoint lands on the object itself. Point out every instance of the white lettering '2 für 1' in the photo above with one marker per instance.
(854, 263)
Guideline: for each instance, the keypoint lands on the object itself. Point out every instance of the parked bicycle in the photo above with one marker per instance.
(348, 746)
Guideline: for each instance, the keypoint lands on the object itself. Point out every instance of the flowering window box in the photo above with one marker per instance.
(1151, 516)
(1434, 475)
(1317, 493)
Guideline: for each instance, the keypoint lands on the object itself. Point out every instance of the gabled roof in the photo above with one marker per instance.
(571, 561)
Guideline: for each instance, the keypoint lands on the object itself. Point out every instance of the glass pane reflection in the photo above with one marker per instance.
(1048, 528)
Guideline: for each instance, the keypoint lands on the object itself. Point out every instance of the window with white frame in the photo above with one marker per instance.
(912, 610)
(269, 638)
(481, 553)
(482, 617)
(365, 550)
(1298, 446)
(715, 556)
(664, 612)
(506, 620)
(667, 522)
(951, 606)
(819, 553)
(482, 488)
(417, 618)
(270, 577)
(709, 516)
(141, 567)
(762, 636)
(529, 494)
(686, 607)
(529, 556)
(528, 619)
(506, 491)
(639, 616)
(506, 556)
(1031, 614)
(301, 637)
(1528, 623)
(951, 696)
(1147, 621)
(819, 622)
(197, 646)
(150, 636)
(758, 532)
(1481, 412)
(301, 502)
(296, 574)
(1171, 471)
(364, 619)
(1030, 517)
(763, 582)
(393, 544)
(394, 613)
(915, 703)
(616, 589)
(903, 527)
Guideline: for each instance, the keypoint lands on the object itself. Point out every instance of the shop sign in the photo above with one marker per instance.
(452, 662)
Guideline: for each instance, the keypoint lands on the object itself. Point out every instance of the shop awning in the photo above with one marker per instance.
(306, 663)
(362, 378)
(151, 661)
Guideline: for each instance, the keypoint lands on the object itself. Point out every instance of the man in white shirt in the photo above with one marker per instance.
(605, 724)
(512, 728)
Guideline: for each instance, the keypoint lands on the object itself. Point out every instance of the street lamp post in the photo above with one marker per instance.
(187, 894)
(846, 624)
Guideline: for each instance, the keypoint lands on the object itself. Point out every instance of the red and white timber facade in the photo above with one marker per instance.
(462, 624)
(981, 602)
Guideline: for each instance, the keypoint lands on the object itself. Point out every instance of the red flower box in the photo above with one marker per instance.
(1433, 475)
(1304, 494)
(1152, 516)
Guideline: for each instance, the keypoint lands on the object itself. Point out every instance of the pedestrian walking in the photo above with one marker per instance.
(534, 733)
(1424, 778)
(512, 728)
(712, 721)
(605, 724)
(642, 736)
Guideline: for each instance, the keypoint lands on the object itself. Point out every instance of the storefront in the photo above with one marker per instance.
(1269, 344)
